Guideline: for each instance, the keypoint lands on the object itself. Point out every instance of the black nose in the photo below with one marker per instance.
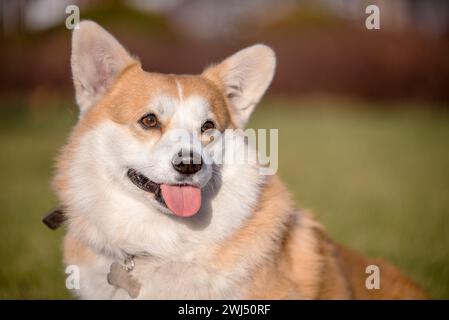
(186, 162)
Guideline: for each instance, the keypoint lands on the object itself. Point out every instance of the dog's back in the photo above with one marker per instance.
(305, 263)
(393, 284)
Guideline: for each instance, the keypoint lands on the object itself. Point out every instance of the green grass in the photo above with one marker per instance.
(378, 181)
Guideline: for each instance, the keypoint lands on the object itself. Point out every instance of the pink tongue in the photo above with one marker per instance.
(184, 201)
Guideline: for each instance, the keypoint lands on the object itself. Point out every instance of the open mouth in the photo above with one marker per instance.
(182, 200)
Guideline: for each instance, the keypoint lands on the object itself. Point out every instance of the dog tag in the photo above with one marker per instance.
(120, 277)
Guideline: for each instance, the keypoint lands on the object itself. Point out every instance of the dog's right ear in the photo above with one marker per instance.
(97, 59)
(244, 77)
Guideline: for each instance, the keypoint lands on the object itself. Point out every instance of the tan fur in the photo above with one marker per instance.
(293, 257)
(125, 107)
(76, 252)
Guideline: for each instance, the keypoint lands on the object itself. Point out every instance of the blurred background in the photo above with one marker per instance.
(363, 116)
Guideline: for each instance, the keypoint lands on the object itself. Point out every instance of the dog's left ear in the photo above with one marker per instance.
(244, 77)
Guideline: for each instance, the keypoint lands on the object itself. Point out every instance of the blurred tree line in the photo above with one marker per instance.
(322, 46)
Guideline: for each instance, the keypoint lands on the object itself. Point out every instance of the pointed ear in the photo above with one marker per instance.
(97, 59)
(244, 77)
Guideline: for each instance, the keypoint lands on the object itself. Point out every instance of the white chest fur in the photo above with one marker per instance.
(163, 279)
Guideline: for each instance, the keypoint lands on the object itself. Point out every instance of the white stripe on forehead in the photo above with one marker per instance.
(182, 112)
(191, 112)
(180, 93)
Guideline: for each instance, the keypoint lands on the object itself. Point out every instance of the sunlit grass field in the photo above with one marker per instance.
(377, 180)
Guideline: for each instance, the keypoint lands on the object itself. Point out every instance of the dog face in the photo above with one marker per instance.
(159, 137)
(149, 138)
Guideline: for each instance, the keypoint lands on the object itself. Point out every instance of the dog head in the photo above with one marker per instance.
(148, 139)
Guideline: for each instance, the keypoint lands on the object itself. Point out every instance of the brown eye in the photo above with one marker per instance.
(149, 121)
(207, 126)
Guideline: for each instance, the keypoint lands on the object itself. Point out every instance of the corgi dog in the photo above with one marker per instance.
(152, 216)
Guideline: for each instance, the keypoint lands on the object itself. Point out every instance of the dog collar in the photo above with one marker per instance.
(54, 218)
